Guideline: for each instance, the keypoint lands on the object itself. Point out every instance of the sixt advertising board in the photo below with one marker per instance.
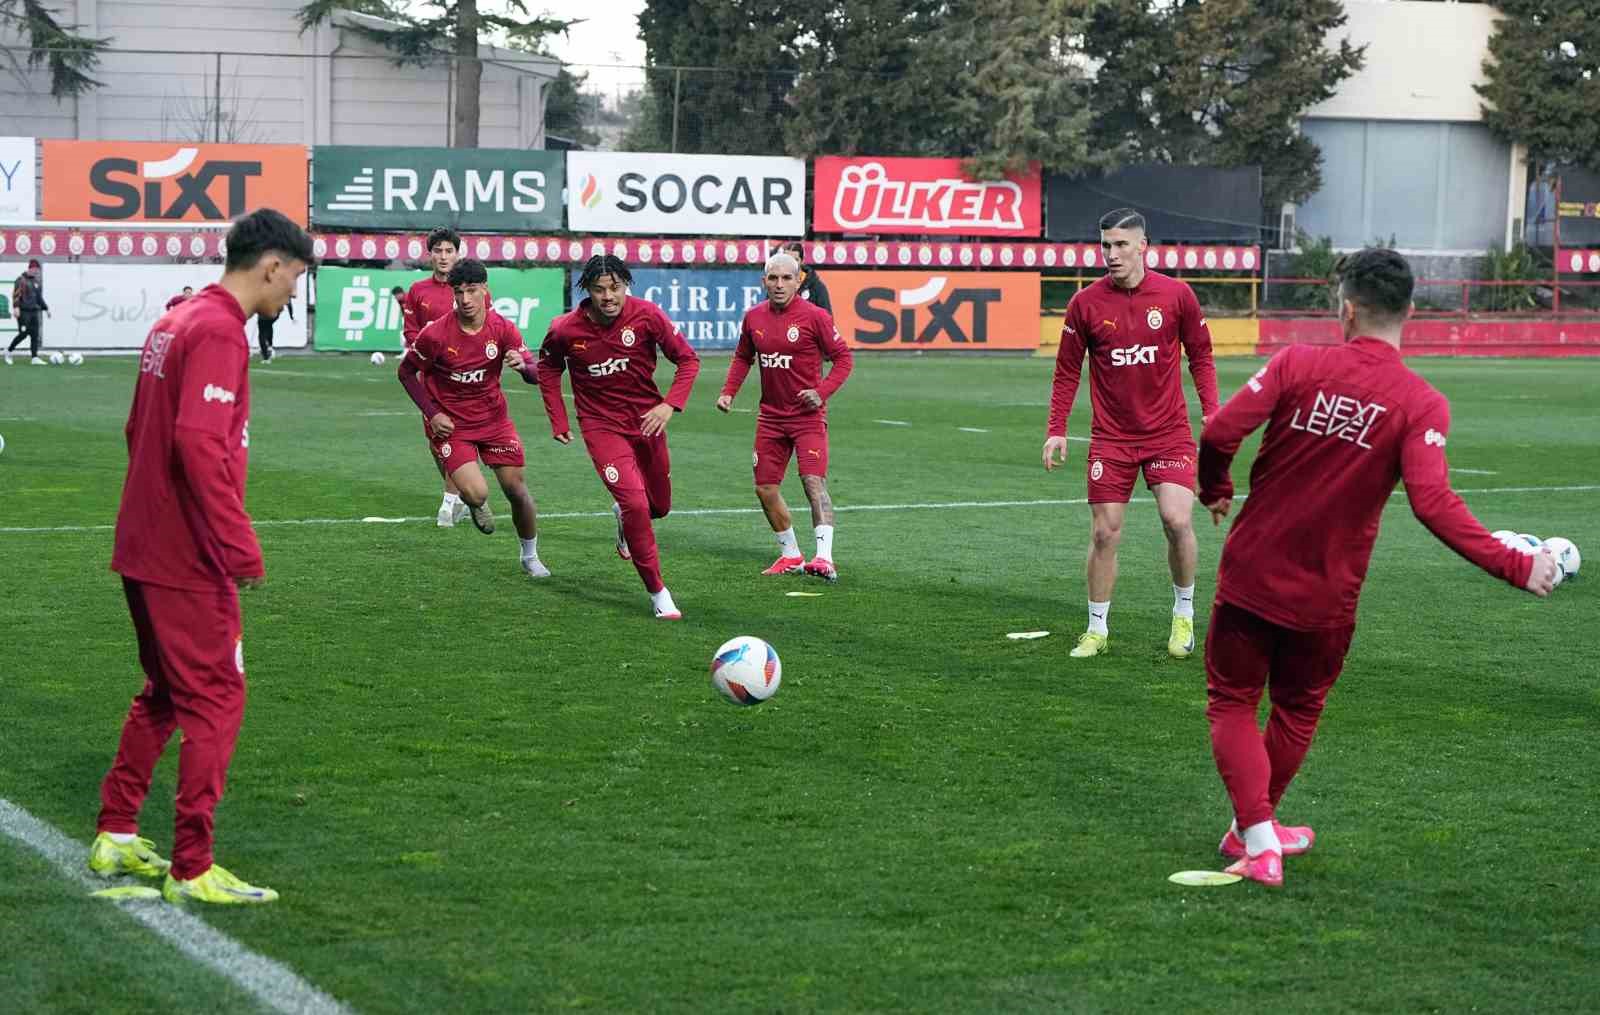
(707, 195)
(922, 197)
(163, 181)
(106, 305)
(936, 310)
(357, 310)
(492, 190)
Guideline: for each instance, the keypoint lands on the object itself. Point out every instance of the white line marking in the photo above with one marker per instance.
(740, 410)
(892, 422)
(971, 429)
(1476, 472)
(1080, 440)
(707, 512)
(390, 412)
(273, 984)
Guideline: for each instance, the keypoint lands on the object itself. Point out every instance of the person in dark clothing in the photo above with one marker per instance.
(27, 302)
(811, 287)
(264, 330)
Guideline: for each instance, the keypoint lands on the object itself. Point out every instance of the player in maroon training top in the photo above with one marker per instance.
(427, 301)
(1344, 424)
(187, 294)
(1135, 325)
(791, 338)
(452, 371)
(609, 343)
(184, 545)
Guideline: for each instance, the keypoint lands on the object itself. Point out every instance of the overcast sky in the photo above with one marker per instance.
(609, 33)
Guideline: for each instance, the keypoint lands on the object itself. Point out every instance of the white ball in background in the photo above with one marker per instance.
(75, 358)
(56, 359)
(377, 359)
(2, 444)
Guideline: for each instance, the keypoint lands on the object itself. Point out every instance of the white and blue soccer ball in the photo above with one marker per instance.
(75, 359)
(56, 359)
(746, 670)
(1568, 560)
(1506, 536)
(1528, 542)
(377, 359)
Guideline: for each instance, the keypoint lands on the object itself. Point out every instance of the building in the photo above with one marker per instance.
(246, 73)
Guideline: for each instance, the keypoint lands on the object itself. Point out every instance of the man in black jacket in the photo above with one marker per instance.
(27, 301)
(811, 287)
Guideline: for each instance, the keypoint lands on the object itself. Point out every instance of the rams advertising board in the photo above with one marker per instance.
(706, 195)
(493, 190)
(357, 310)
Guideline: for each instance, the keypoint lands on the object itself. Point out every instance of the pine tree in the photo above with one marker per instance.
(1543, 79)
(70, 56)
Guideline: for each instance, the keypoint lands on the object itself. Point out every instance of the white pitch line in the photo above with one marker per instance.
(707, 512)
(390, 412)
(273, 984)
(971, 429)
(1476, 472)
(892, 422)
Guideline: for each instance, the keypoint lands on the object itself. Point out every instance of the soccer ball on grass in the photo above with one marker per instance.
(56, 359)
(1566, 554)
(746, 671)
(377, 359)
(75, 359)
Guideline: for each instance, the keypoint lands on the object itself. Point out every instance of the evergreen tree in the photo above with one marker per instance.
(1543, 79)
(70, 56)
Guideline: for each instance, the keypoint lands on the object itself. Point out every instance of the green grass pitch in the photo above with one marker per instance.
(481, 794)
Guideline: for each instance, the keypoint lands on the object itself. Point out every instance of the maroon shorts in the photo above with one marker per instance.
(1113, 468)
(1245, 652)
(775, 442)
(494, 447)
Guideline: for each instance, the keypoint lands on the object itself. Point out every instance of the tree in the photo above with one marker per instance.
(564, 107)
(1543, 79)
(71, 57)
(444, 30)
(1223, 82)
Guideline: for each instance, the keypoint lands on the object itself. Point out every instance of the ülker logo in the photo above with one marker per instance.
(911, 195)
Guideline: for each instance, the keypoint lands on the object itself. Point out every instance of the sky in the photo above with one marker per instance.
(609, 33)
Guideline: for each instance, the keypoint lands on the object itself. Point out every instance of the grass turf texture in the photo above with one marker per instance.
(478, 793)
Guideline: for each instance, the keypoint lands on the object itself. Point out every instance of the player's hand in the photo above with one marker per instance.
(1219, 509)
(441, 425)
(655, 421)
(724, 403)
(514, 360)
(810, 398)
(1542, 577)
(254, 581)
(564, 437)
(1055, 452)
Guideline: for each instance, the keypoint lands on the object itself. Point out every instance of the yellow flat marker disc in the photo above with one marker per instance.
(804, 595)
(128, 892)
(1204, 879)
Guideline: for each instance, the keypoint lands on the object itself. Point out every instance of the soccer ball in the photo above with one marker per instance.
(2, 445)
(1566, 554)
(377, 359)
(75, 359)
(1527, 542)
(56, 359)
(1506, 537)
(746, 671)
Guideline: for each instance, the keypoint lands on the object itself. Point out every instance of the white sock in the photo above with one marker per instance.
(530, 548)
(451, 500)
(662, 601)
(1097, 616)
(1183, 601)
(121, 838)
(1260, 838)
(824, 541)
(788, 546)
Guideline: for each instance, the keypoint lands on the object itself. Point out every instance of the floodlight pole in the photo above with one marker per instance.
(1555, 254)
(677, 89)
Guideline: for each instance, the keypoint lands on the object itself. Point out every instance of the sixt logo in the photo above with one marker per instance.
(615, 365)
(136, 191)
(926, 313)
(1133, 355)
(469, 376)
(776, 361)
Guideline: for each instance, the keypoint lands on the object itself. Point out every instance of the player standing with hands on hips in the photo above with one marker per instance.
(1135, 325)
(609, 343)
(791, 338)
(184, 546)
(1344, 424)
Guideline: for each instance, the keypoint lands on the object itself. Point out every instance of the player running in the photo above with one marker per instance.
(452, 371)
(791, 337)
(1344, 423)
(428, 300)
(609, 343)
(1133, 322)
(184, 547)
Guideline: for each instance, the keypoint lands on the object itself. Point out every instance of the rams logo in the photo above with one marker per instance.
(1154, 318)
(628, 337)
(491, 350)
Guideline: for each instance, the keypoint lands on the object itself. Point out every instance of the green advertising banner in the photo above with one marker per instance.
(495, 190)
(357, 311)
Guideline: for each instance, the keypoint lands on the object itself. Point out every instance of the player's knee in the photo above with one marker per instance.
(1177, 525)
(1106, 535)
